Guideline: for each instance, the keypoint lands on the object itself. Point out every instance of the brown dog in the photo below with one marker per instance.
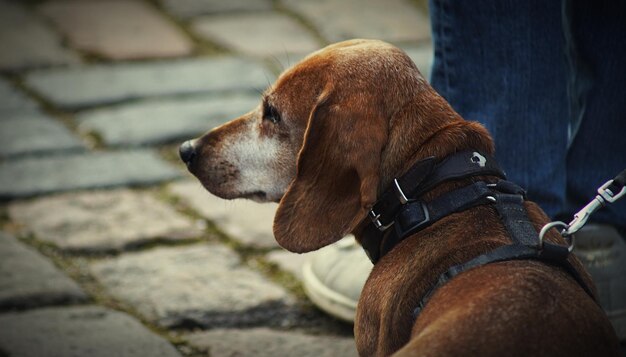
(330, 135)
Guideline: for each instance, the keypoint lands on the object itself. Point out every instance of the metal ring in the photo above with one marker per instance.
(550, 225)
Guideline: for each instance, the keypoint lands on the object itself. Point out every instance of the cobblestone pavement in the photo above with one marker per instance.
(107, 246)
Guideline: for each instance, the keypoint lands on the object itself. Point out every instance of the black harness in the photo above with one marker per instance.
(396, 215)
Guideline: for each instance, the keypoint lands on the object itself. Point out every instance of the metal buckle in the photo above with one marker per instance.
(375, 217)
(377, 223)
(399, 193)
(426, 217)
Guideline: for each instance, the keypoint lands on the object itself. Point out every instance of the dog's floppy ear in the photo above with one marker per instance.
(337, 173)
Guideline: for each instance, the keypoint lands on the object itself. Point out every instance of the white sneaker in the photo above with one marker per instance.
(334, 277)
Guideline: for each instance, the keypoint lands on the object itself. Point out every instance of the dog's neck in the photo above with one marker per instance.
(440, 133)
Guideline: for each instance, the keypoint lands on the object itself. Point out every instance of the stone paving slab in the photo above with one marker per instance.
(43, 175)
(164, 121)
(246, 221)
(347, 19)
(288, 261)
(258, 34)
(195, 286)
(263, 342)
(191, 8)
(117, 29)
(14, 103)
(102, 221)
(78, 332)
(36, 135)
(86, 86)
(27, 42)
(28, 279)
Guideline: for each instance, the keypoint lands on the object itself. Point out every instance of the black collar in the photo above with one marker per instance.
(402, 197)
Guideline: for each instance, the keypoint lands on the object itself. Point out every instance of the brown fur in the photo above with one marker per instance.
(357, 114)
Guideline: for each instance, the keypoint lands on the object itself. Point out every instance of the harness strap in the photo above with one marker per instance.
(551, 253)
(418, 215)
(510, 208)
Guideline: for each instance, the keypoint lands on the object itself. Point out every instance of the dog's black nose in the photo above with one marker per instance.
(187, 152)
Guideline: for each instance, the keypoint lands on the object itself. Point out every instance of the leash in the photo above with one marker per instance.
(407, 215)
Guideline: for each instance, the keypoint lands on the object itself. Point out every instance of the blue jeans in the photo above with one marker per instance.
(548, 79)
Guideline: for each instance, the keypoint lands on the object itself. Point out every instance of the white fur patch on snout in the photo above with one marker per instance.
(258, 159)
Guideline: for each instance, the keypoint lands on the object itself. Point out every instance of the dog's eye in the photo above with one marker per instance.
(270, 113)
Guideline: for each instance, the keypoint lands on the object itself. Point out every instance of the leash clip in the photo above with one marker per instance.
(609, 195)
(604, 195)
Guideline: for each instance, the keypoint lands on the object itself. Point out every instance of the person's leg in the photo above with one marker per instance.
(547, 79)
(598, 150)
(502, 63)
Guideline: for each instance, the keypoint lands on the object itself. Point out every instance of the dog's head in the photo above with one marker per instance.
(317, 142)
